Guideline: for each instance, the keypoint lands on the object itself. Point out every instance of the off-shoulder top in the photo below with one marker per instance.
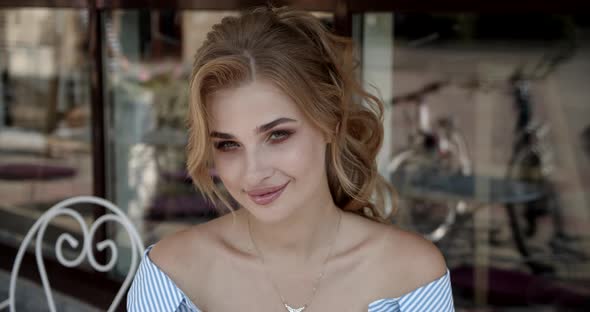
(153, 290)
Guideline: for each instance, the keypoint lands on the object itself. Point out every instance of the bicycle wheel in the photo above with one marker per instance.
(430, 218)
(527, 166)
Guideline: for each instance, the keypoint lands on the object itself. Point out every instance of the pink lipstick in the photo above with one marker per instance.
(267, 195)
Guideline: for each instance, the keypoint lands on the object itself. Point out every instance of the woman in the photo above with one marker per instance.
(275, 110)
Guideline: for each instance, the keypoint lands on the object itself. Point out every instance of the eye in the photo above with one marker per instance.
(279, 135)
(225, 146)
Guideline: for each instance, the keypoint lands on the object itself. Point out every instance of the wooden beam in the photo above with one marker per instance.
(449, 6)
(8, 4)
(311, 5)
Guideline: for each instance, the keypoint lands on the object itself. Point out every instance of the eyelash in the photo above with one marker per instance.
(226, 146)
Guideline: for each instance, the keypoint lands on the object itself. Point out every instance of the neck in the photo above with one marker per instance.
(301, 236)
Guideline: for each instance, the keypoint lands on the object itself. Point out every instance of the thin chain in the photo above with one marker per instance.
(318, 279)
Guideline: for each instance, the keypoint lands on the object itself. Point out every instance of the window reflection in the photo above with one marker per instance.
(489, 118)
(44, 115)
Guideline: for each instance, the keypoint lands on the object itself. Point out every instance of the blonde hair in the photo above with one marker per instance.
(294, 51)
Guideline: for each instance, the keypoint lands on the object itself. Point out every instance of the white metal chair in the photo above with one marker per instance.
(62, 208)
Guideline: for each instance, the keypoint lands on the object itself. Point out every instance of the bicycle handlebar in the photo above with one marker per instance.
(547, 65)
(416, 96)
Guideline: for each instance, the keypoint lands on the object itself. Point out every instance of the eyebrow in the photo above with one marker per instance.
(259, 129)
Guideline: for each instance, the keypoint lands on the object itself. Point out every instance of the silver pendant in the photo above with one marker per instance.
(294, 309)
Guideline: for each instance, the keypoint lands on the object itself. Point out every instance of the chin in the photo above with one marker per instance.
(269, 214)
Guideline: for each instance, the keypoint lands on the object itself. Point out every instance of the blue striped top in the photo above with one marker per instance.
(153, 291)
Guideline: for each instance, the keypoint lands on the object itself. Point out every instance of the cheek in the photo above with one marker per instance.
(303, 158)
(227, 168)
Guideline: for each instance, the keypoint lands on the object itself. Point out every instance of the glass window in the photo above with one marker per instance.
(488, 128)
(44, 118)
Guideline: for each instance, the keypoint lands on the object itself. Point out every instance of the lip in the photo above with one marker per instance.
(265, 196)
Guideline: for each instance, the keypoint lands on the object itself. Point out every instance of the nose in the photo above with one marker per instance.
(257, 169)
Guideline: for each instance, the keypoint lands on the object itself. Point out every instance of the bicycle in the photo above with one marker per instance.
(439, 147)
(443, 148)
(532, 161)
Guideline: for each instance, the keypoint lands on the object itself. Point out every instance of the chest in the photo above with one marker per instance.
(344, 287)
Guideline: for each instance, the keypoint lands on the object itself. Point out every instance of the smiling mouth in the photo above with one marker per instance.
(267, 198)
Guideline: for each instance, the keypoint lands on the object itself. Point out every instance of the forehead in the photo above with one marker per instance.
(248, 106)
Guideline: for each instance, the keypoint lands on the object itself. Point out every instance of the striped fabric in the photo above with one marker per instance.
(153, 291)
(435, 296)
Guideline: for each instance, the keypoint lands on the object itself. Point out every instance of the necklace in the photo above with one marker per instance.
(316, 282)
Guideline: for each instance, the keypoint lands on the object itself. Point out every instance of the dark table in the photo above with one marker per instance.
(435, 184)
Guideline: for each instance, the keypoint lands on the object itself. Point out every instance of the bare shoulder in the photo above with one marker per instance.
(188, 251)
(394, 245)
(410, 258)
(174, 251)
(395, 262)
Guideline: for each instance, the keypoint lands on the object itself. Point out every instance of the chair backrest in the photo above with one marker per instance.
(62, 208)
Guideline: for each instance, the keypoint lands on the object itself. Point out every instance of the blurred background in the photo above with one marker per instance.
(487, 134)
